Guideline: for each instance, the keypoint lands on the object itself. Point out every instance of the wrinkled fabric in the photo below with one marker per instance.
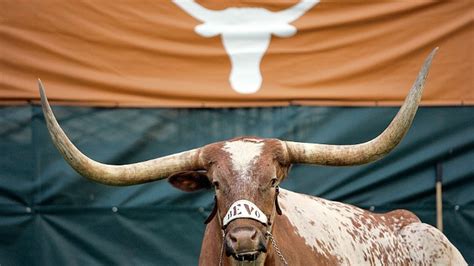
(148, 54)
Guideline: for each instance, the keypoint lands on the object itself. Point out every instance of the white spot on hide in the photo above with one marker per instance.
(330, 227)
(356, 237)
(429, 245)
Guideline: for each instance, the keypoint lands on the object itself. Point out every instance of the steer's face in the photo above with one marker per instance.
(246, 169)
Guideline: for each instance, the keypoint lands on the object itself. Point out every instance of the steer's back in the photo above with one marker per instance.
(354, 236)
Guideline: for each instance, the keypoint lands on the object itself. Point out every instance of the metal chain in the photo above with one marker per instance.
(275, 246)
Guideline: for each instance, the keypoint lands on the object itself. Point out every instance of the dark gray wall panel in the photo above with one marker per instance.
(58, 217)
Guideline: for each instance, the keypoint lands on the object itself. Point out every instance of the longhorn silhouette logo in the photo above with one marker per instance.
(246, 34)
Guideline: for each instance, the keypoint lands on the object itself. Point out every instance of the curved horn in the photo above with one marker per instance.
(118, 175)
(293, 13)
(197, 11)
(340, 155)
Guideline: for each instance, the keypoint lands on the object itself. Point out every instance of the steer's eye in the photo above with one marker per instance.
(216, 184)
(274, 182)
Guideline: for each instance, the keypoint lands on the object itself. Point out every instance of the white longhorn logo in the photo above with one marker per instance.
(246, 35)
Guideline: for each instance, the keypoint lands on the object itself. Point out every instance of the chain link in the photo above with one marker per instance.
(277, 249)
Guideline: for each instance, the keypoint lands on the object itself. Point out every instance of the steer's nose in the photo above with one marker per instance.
(244, 243)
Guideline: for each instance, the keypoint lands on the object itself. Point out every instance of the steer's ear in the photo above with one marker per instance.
(190, 181)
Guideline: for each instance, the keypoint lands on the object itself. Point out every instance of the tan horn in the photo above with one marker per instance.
(340, 155)
(117, 175)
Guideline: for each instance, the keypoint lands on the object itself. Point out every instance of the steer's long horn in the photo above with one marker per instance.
(340, 155)
(197, 11)
(293, 13)
(118, 175)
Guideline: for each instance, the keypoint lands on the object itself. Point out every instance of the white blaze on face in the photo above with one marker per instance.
(246, 34)
(243, 154)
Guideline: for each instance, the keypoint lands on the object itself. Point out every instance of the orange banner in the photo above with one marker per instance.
(234, 53)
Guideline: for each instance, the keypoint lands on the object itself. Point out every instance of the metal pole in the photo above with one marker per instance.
(439, 196)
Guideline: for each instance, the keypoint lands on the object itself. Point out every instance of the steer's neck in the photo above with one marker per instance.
(211, 244)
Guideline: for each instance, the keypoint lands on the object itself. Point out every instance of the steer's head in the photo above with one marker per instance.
(244, 172)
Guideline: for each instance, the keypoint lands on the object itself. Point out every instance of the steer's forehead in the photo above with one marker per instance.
(246, 160)
(244, 155)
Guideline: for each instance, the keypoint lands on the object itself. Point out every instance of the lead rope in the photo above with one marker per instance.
(222, 248)
(221, 254)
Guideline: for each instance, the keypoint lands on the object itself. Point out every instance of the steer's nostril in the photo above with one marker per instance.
(254, 235)
(233, 238)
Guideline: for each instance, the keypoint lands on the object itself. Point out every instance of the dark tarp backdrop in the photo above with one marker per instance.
(49, 215)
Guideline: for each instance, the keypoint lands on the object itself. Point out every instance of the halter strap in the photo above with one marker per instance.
(213, 212)
(215, 209)
(244, 209)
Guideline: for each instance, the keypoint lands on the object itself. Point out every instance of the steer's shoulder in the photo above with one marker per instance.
(311, 204)
(349, 234)
(292, 201)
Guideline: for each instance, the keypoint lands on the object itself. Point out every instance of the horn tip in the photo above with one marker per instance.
(427, 64)
(433, 53)
(44, 99)
(41, 87)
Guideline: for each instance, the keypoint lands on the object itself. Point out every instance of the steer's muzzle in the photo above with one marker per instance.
(245, 243)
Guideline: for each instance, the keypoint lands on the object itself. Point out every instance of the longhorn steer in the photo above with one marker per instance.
(254, 224)
(246, 34)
